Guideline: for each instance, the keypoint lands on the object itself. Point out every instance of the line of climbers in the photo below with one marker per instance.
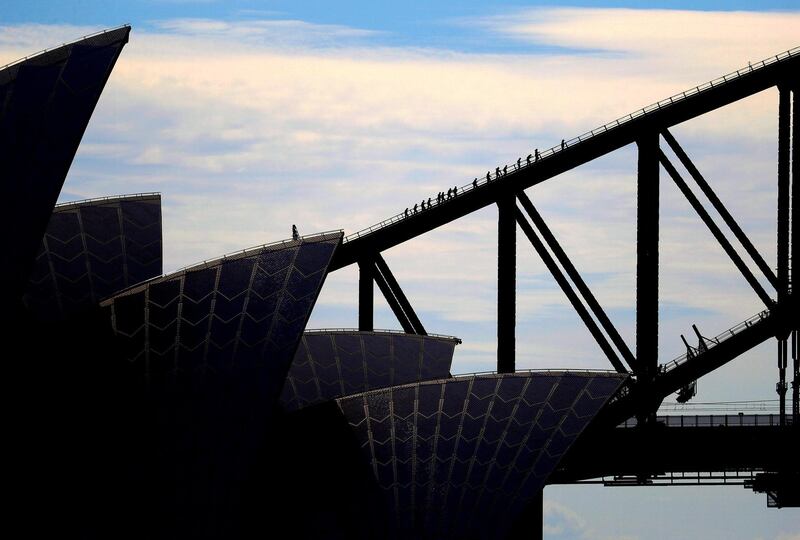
(453, 192)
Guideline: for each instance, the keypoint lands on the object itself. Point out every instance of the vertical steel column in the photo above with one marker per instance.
(366, 298)
(781, 386)
(506, 283)
(784, 199)
(794, 305)
(784, 188)
(647, 257)
(795, 381)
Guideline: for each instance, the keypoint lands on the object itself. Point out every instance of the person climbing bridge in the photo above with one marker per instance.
(563, 144)
(475, 183)
(519, 161)
(528, 159)
(536, 153)
(295, 233)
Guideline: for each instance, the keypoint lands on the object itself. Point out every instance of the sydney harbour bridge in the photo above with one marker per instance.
(197, 403)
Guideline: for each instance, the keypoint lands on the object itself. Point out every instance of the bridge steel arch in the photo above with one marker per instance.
(647, 128)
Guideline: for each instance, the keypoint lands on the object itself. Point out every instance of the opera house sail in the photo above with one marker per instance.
(46, 101)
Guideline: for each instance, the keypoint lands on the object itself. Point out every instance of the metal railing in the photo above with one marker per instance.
(108, 198)
(376, 331)
(715, 420)
(710, 343)
(251, 250)
(531, 160)
(728, 477)
(49, 49)
(762, 406)
(557, 372)
(132, 289)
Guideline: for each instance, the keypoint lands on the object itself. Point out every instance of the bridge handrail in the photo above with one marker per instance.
(716, 340)
(714, 420)
(481, 180)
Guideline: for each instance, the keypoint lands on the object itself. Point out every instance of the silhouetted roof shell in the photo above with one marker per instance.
(46, 101)
(462, 457)
(91, 250)
(335, 363)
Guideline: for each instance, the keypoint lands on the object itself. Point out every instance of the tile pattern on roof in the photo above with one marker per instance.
(461, 458)
(92, 250)
(333, 364)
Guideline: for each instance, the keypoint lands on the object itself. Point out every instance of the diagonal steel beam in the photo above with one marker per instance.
(723, 241)
(391, 299)
(576, 278)
(394, 287)
(548, 260)
(720, 208)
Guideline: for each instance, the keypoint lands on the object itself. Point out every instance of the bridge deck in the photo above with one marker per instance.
(713, 420)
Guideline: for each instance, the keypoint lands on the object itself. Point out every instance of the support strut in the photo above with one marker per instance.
(506, 284)
(781, 386)
(576, 278)
(365, 294)
(795, 381)
(794, 306)
(715, 230)
(388, 294)
(562, 281)
(396, 298)
(720, 208)
(784, 197)
(795, 188)
(647, 200)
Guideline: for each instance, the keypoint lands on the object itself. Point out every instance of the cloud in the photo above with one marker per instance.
(560, 521)
(273, 33)
(250, 126)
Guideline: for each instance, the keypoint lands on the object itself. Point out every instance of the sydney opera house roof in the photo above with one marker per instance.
(93, 249)
(45, 104)
(184, 404)
(244, 312)
(213, 344)
(460, 458)
(335, 363)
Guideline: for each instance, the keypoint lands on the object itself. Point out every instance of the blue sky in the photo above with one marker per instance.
(412, 23)
(252, 116)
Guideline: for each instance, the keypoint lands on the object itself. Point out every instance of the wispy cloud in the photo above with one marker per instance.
(250, 126)
(273, 33)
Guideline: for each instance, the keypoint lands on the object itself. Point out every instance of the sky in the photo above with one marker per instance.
(249, 117)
